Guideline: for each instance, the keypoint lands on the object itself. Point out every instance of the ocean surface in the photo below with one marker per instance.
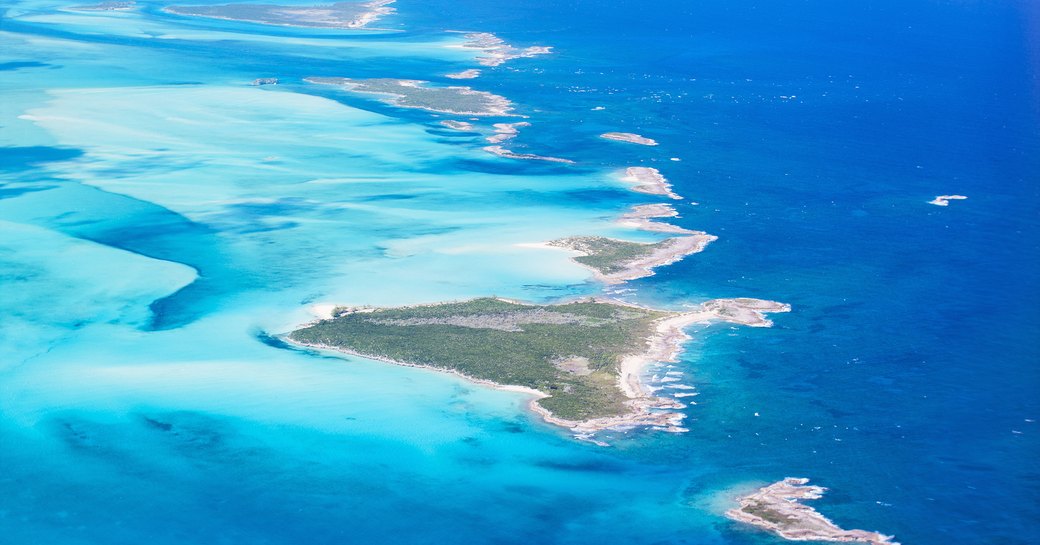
(162, 221)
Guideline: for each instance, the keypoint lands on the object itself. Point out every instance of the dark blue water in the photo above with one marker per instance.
(907, 373)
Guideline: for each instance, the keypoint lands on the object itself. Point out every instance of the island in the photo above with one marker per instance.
(506, 131)
(497, 51)
(465, 74)
(510, 154)
(649, 180)
(613, 261)
(629, 137)
(405, 93)
(944, 200)
(341, 15)
(580, 360)
(641, 217)
(777, 508)
(454, 125)
(108, 6)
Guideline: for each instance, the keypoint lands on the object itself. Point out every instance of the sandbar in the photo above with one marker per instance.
(629, 137)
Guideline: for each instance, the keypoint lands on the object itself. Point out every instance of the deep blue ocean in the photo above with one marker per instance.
(162, 221)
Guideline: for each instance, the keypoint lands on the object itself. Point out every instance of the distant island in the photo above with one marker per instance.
(777, 508)
(944, 200)
(629, 137)
(614, 261)
(108, 6)
(343, 15)
(510, 154)
(497, 51)
(465, 74)
(581, 360)
(641, 217)
(649, 180)
(405, 93)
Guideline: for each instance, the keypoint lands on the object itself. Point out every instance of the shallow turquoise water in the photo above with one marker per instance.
(161, 218)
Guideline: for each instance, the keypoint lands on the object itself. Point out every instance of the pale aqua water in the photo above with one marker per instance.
(160, 219)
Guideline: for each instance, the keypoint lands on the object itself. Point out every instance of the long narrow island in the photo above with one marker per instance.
(613, 261)
(581, 360)
(778, 508)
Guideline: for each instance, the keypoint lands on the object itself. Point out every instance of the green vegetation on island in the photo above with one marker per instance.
(569, 351)
(607, 255)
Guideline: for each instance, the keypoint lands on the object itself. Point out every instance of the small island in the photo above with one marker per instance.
(454, 125)
(465, 74)
(944, 200)
(777, 508)
(614, 261)
(108, 6)
(342, 15)
(629, 137)
(649, 180)
(506, 131)
(405, 93)
(497, 51)
(510, 154)
(580, 360)
(641, 217)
